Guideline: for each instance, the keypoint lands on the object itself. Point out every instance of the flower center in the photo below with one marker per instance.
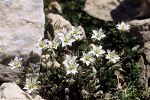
(112, 55)
(71, 67)
(87, 58)
(66, 40)
(31, 85)
(17, 64)
(96, 51)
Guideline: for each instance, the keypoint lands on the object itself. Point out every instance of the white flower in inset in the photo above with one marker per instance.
(87, 58)
(112, 56)
(66, 38)
(31, 84)
(71, 64)
(42, 44)
(98, 34)
(78, 32)
(16, 63)
(97, 50)
(123, 26)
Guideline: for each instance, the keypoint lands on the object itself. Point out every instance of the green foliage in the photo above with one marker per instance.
(98, 81)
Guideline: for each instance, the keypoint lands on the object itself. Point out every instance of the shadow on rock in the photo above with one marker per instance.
(131, 9)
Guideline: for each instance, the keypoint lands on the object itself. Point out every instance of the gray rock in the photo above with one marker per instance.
(57, 21)
(11, 91)
(101, 8)
(118, 10)
(7, 75)
(141, 28)
(21, 24)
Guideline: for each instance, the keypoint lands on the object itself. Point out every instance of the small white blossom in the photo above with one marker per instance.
(42, 44)
(16, 63)
(31, 84)
(112, 56)
(78, 32)
(97, 50)
(87, 58)
(71, 64)
(123, 26)
(66, 38)
(98, 34)
(55, 44)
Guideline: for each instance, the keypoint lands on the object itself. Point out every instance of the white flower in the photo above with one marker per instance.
(78, 32)
(112, 56)
(16, 63)
(87, 58)
(31, 84)
(98, 34)
(66, 38)
(55, 44)
(71, 64)
(42, 44)
(123, 26)
(97, 50)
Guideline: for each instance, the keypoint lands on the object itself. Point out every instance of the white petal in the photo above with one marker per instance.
(87, 63)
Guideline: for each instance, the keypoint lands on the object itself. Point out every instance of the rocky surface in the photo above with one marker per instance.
(118, 10)
(21, 23)
(11, 91)
(7, 75)
(57, 21)
(101, 8)
(141, 28)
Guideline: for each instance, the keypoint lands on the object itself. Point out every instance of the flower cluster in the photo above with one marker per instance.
(45, 44)
(88, 58)
(98, 51)
(71, 63)
(68, 36)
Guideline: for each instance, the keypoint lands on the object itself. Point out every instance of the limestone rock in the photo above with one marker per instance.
(57, 21)
(118, 10)
(11, 91)
(7, 75)
(21, 24)
(101, 8)
(141, 27)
